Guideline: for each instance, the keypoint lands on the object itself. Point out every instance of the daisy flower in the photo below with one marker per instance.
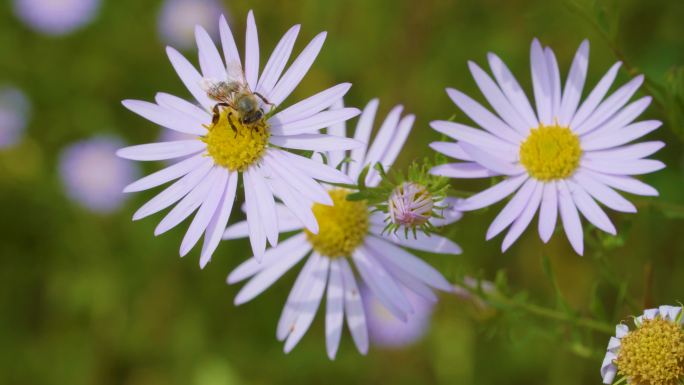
(240, 132)
(178, 18)
(350, 234)
(56, 17)
(565, 156)
(15, 109)
(650, 354)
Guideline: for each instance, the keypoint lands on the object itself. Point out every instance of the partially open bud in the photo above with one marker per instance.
(410, 205)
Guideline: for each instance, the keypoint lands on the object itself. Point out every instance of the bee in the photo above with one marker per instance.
(234, 92)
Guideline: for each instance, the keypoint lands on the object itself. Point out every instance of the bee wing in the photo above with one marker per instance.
(234, 73)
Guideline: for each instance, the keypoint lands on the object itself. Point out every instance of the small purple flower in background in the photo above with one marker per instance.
(386, 330)
(178, 18)
(56, 17)
(93, 175)
(14, 114)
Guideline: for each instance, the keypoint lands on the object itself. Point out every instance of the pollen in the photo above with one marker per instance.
(342, 227)
(653, 354)
(235, 145)
(550, 153)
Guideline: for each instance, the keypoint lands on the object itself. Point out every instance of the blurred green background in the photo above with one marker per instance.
(91, 298)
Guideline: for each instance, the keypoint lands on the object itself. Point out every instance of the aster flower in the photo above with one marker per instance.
(227, 144)
(178, 18)
(565, 157)
(93, 176)
(386, 330)
(56, 17)
(349, 234)
(14, 115)
(650, 354)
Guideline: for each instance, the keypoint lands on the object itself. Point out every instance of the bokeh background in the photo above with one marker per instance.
(89, 297)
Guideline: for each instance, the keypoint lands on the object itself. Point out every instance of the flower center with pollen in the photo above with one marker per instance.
(235, 145)
(342, 227)
(653, 354)
(550, 152)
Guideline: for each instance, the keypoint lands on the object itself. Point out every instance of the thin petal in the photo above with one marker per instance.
(432, 243)
(183, 106)
(611, 105)
(313, 123)
(513, 208)
(210, 60)
(219, 221)
(298, 205)
(574, 84)
(166, 117)
(230, 51)
(297, 70)
(631, 152)
(296, 179)
(450, 149)
(476, 137)
(554, 81)
(570, 218)
(353, 308)
(265, 205)
(511, 88)
(595, 97)
(362, 134)
(276, 63)
(603, 193)
(463, 170)
(627, 167)
(312, 105)
(317, 170)
(315, 142)
(493, 194)
(491, 161)
(524, 219)
(334, 315)
(161, 150)
(252, 53)
(590, 209)
(624, 183)
(190, 77)
(394, 147)
(548, 212)
(167, 174)
(294, 245)
(602, 141)
(541, 83)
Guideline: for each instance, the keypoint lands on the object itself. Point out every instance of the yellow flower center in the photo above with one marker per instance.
(342, 227)
(653, 354)
(550, 152)
(235, 145)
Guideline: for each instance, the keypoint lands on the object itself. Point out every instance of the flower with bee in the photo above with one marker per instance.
(240, 128)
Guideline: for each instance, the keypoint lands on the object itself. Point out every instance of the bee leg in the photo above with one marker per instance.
(264, 99)
(230, 114)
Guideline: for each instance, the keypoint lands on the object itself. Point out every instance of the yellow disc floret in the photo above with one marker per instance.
(235, 145)
(342, 227)
(550, 152)
(653, 354)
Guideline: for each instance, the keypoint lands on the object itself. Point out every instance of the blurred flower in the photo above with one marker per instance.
(349, 231)
(14, 115)
(92, 174)
(178, 18)
(565, 158)
(384, 329)
(249, 141)
(56, 17)
(650, 354)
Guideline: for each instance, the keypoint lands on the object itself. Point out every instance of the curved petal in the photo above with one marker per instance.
(595, 97)
(230, 51)
(210, 60)
(297, 70)
(541, 83)
(570, 218)
(190, 77)
(548, 211)
(276, 63)
(167, 174)
(334, 314)
(574, 84)
(523, 220)
(513, 209)
(252, 53)
(493, 194)
(511, 88)
(219, 221)
(353, 308)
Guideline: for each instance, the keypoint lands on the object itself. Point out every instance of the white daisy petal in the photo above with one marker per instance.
(590, 209)
(603, 193)
(317, 170)
(189, 203)
(548, 212)
(312, 105)
(611, 105)
(298, 205)
(608, 369)
(336, 157)
(624, 183)
(297, 70)
(230, 50)
(511, 88)
(463, 170)
(265, 204)
(219, 221)
(622, 118)
(161, 150)
(257, 236)
(315, 142)
(491, 161)
(626, 167)
(190, 77)
(602, 141)
(416, 267)
(252, 53)
(166, 117)
(432, 243)
(554, 81)
(314, 122)
(497, 99)
(476, 137)
(570, 218)
(493, 194)
(209, 57)
(524, 218)
(621, 330)
(294, 300)
(167, 174)
(276, 63)
(450, 149)
(595, 97)
(287, 221)
(394, 147)
(631, 152)
(362, 134)
(407, 280)
(205, 213)
(381, 284)
(483, 117)
(175, 192)
(353, 308)
(309, 305)
(295, 178)
(382, 140)
(513, 208)
(269, 274)
(574, 84)
(294, 245)
(541, 83)
(334, 314)
(183, 106)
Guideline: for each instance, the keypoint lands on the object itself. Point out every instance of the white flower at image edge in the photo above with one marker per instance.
(350, 237)
(562, 158)
(221, 150)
